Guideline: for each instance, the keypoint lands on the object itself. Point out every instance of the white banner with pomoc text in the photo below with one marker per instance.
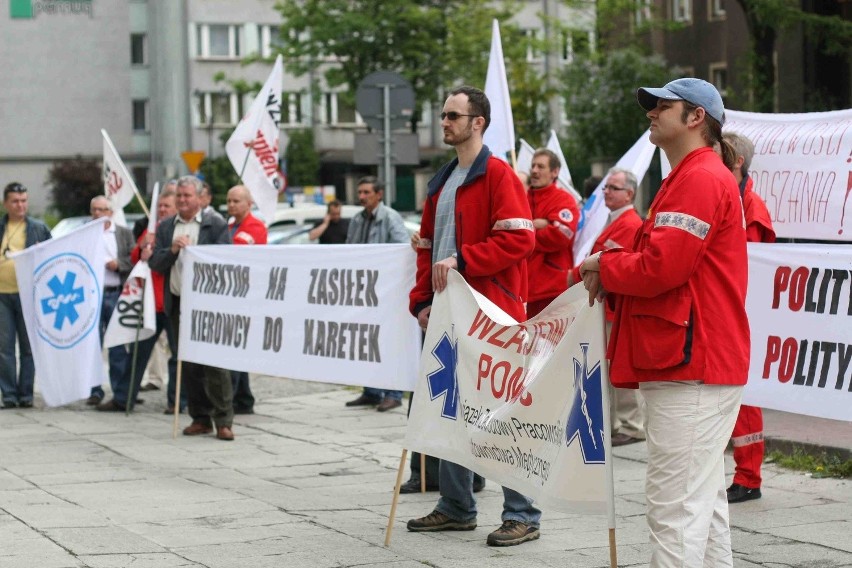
(799, 306)
(326, 313)
(519, 403)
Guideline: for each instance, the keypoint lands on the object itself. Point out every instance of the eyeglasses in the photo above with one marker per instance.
(453, 115)
(611, 187)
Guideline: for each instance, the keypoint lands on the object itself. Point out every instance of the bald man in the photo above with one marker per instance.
(245, 229)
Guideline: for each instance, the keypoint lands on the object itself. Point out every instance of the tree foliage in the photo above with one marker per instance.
(600, 102)
(303, 161)
(73, 184)
(220, 174)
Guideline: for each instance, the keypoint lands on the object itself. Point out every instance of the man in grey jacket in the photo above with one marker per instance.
(17, 231)
(377, 223)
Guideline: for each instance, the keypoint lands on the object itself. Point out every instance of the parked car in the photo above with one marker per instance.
(68, 224)
(298, 234)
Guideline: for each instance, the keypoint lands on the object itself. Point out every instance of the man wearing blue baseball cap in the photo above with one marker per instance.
(680, 333)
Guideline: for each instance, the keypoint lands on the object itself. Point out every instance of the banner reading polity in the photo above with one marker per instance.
(801, 170)
(61, 287)
(521, 404)
(799, 307)
(330, 313)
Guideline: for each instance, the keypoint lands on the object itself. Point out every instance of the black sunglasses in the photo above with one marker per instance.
(453, 115)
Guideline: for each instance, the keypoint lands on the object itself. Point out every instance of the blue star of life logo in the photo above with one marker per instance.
(65, 298)
(444, 382)
(585, 419)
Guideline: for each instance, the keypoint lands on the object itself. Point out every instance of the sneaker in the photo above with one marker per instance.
(436, 521)
(512, 533)
(738, 493)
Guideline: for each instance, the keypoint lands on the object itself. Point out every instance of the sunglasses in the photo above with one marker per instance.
(453, 115)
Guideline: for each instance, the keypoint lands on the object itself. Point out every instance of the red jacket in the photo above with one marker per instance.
(494, 235)
(681, 310)
(157, 278)
(553, 256)
(758, 224)
(251, 231)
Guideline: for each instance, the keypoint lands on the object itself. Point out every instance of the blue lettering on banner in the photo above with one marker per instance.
(444, 381)
(585, 420)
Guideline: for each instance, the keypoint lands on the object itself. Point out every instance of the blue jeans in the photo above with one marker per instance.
(458, 503)
(117, 356)
(16, 387)
(121, 390)
(379, 394)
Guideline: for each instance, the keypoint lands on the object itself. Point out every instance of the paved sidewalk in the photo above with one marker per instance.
(308, 483)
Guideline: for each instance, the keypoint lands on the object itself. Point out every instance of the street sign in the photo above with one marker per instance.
(369, 99)
(193, 160)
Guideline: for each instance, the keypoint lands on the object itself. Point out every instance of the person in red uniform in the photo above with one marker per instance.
(625, 407)
(555, 217)
(681, 333)
(476, 220)
(245, 229)
(747, 438)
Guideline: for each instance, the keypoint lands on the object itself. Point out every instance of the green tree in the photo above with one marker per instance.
(303, 161)
(600, 102)
(220, 174)
(73, 184)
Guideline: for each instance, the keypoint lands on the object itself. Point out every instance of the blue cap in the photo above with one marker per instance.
(696, 91)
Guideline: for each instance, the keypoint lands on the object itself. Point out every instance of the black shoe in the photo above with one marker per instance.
(26, 404)
(478, 485)
(738, 493)
(243, 410)
(9, 404)
(94, 400)
(110, 406)
(413, 486)
(364, 400)
(149, 387)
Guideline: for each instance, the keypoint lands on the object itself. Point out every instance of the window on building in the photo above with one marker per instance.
(335, 110)
(531, 37)
(643, 12)
(681, 10)
(269, 40)
(218, 108)
(719, 77)
(140, 115)
(576, 43)
(138, 50)
(295, 108)
(221, 41)
(140, 177)
(716, 9)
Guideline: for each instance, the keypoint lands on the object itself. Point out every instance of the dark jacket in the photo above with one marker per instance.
(124, 240)
(36, 230)
(213, 231)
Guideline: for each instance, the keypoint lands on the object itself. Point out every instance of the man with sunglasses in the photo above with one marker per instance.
(17, 231)
(476, 220)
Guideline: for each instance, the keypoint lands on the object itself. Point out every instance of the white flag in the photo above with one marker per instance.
(525, 157)
(152, 217)
(253, 147)
(594, 214)
(500, 136)
(564, 179)
(118, 185)
(135, 309)
(61, 284)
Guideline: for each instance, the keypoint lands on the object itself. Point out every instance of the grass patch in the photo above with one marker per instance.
(822, 465)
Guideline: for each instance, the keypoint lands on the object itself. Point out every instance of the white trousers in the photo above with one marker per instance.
(688, 425)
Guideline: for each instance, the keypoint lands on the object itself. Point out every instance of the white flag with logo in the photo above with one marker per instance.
(61, 289)
(118, 185)
(500, 136)
(253, 147)
(594, 214)
(135, 309)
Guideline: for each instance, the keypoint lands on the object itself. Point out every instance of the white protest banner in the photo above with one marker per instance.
(564, 180)
(521, 404)
(594, 215)
(119, 187)
(799, 308)
(253, 147)
(330, 313)
(134, 310)
(61, 286)
(500, 136)
(801, 170)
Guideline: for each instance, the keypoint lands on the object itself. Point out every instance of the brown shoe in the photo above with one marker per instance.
(512, 533)
(363, 400)
(109, 406)
(93, 400)
(197, 428)
(225, 433)
(437, 521)
(388, 404)
(624, 440)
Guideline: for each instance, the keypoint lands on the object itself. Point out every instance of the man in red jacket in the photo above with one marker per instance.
(476, 220)
(245, 229)
(748, 430)
(555, 217)
(681, 333)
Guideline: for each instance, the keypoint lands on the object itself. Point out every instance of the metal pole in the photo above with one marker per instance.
(390, 181)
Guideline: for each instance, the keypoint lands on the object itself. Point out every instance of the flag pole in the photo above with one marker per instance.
(177, 399)
(139, 324)
(514, 159)
(608, 474)
(392, 515)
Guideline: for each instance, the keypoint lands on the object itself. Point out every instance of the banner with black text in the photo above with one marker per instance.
(326, 313)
